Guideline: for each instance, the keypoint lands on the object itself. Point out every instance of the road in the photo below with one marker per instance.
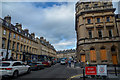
(55, 72)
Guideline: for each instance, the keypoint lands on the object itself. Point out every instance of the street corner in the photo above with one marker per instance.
(75, 77)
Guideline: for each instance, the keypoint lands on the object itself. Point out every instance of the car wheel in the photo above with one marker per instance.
(15, 74)
(29, 70)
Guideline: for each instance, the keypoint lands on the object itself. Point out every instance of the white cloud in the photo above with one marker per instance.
(55, 23)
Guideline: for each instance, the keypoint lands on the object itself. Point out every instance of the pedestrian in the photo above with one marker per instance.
(11, 59)
(74, 63)
(69, 62)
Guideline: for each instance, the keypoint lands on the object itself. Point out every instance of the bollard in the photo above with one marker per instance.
(83, 74)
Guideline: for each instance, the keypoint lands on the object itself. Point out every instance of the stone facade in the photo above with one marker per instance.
(98, 30)
(47, 48)
(21, 41)
(66, 53)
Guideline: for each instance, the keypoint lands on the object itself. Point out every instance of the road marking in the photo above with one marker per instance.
(74, 76)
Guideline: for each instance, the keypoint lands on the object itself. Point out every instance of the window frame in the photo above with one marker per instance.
(4, 32)
(100, 30)
(87, 6)
(95, 5)
(107, 19)
(98, 20)
(89, 21)
(3, 40)
(18, 46)
(18, 37)
(14, 36)
(110, 32)
(90, 32)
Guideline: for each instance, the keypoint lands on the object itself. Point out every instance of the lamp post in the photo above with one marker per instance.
(7, 53)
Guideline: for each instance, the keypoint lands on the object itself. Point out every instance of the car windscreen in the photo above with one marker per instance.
(5, 64)
(62, 60)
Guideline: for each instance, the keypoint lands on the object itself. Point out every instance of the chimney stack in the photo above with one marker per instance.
(19, 26)
(26, 30)
(7, 19)
(47, 42)
(33, 34)
(41, 38)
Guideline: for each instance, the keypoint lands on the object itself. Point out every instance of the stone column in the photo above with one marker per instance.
(105, 29)
(116, 33)
(87, 53)
(95, 30)
(98, 59)
(109, 55)
(84, 31)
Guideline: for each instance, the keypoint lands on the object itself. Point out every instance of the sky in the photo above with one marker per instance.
(55, 21)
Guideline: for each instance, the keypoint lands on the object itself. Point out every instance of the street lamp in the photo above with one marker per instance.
(8, 42)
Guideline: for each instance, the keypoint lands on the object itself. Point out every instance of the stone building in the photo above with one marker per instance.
(98, 33)
(22, 43)
(70, 53)
(47, 48)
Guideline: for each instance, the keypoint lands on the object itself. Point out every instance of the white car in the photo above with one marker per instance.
(62, 61)
(13, 68)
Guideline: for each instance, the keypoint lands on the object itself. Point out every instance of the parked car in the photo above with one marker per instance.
(40, 65)
(36, 66)
(58, 61)
(46, 63)
(54, 61)
(63, 61)
(13, 68)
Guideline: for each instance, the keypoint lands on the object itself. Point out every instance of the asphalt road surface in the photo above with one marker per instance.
(55, 72)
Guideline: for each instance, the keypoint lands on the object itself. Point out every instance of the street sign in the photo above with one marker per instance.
(102, 70)
(91, 70)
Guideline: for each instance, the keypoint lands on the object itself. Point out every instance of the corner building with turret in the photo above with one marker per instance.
(98, 33)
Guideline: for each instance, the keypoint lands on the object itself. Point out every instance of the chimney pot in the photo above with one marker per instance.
(26, 30)
(7, 19)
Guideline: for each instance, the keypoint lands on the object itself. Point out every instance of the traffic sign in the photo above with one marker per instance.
(91, 70)
(102, 70)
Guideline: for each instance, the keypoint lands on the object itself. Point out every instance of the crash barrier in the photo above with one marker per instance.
(100, 70)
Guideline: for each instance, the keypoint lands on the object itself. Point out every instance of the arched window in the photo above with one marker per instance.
(92, 54)
(103, 54)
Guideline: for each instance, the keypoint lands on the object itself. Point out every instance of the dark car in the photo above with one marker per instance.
(36, 66)
(33, 66)
(58, 61)
(54, 61)
(40, 65)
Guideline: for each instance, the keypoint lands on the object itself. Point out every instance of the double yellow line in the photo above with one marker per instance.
(74, 76)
